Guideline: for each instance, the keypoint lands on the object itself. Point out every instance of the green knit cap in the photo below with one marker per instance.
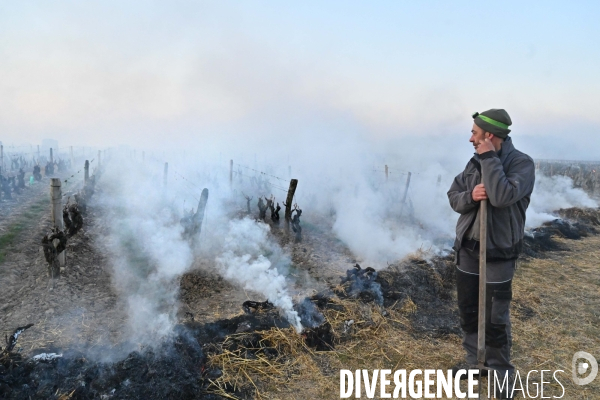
(495, 120)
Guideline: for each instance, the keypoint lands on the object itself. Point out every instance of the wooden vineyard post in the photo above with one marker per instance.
(86, 174)
(405, 195)
(289, 200)
(386, 172)
(406, 188)
(51, 157)
(199, 216)
(165, 175)
(57, 215)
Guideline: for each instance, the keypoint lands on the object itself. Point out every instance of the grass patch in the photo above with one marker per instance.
(29, 216)
(8, 237)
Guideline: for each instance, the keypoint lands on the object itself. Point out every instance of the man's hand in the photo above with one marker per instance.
(479, 193)
(485, 146)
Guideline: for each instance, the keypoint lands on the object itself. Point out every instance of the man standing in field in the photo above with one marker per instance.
(508, 178)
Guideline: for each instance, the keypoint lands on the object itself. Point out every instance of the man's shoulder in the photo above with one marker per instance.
(518, 155)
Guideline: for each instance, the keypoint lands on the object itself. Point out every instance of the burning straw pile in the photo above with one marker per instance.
(572, 223)
(413, 297)
(248, 361)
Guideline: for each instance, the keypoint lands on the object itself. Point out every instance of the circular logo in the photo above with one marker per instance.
(581, 368)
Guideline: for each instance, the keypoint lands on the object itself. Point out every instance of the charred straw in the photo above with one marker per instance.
(11, 341)
(362, 283)
(249, 305)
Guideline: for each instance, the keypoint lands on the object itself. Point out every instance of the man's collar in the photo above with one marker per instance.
(507, 148)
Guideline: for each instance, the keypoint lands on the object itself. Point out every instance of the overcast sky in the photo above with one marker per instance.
(139, 72)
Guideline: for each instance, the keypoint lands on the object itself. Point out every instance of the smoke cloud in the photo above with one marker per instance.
(551, 194)
(243, 262)
(146, 249)
(149, 253)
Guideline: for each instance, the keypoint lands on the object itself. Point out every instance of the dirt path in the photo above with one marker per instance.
(18, 213)
(77, 310)
(18, 202)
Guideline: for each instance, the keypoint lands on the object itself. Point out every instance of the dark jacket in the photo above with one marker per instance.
(508, 181)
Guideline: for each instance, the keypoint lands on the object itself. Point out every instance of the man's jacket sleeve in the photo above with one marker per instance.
(460, 198)
(504, 189)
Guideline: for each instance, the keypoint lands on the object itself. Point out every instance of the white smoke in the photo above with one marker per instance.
(243, 261)
(551, 194)
(146, 250)
(381, 221)
(366, 225)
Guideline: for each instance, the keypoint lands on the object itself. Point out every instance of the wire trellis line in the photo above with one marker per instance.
(270, 184)
(190, 192)
(69, 177)
(187, 180)
(261, 172)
